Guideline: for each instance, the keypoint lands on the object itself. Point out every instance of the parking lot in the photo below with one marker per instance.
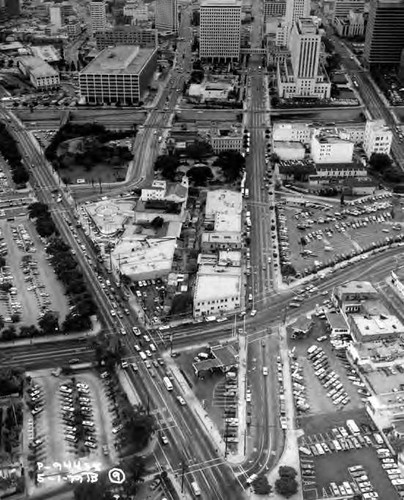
(67, 419)
(337, 461)
(333, 385)
(34, 287)
(315, 235)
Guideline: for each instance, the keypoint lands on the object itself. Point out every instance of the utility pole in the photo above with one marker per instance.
(171, 344)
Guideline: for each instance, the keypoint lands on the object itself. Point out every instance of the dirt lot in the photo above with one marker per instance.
(333, 467)
(50, 427)
(316, 394)
(327, 245)
(43, 275)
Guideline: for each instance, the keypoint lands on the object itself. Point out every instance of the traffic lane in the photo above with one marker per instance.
(186, 422)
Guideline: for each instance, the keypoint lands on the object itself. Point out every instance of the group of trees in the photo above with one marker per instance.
(286, 485)
(232, 164)
(11, 381)
(97, 136)
(9, 150)
(68, 272)
(381, 165)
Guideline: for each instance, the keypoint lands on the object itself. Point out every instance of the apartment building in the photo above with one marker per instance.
(98, 16)
(378, 138)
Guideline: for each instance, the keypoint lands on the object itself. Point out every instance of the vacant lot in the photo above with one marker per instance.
(333, 467)
(29, 303)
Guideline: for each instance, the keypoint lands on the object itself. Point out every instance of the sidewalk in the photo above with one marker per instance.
(54, 338)
(195, 405)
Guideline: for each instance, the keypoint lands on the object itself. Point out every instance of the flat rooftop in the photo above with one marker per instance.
(217, 286)
(136, 255)
(110, 215)
(288, 144)
(336, 320)
(225, 206)
(357, 287)
(120, 60)
(37, 66)
(369, 326)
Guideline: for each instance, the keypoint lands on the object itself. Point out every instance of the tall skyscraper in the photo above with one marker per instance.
(304, 45)
(166, 15)
(302, 75)
(220, 27)
(98, 16)
(295, 9)
(385, 32)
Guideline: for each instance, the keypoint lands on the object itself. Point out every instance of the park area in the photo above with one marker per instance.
(90, 154)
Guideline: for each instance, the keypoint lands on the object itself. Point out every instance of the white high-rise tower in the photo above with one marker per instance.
(295, 9)
(98, 16)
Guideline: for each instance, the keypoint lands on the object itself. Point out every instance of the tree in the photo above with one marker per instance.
(200, 175)
(198, 150)
(9, 333)
(157, 222)
(261, 486)
(286, 485)
(380, 162)
(181, 304)
(20, 175)
(168, 165)
(11, 381)
(1, 322)
(49, 324)
(15, 318)
(232, 164)
(138, 429)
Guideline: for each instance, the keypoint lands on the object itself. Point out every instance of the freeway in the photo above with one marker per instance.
(190, 443)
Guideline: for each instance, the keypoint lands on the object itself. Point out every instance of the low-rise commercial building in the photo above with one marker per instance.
(118, 75)
(169, 191)
(337, 324)
(224, 138)
(217, 290)
(292, 131)
(350, 296)
(366, 328)
(40, 73)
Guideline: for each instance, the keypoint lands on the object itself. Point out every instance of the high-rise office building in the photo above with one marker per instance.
(385, 32)
(304, 45)
(219, 30)
(295, 9)
(343, 7)
(274, 8)
(126, 35)
(55, 16)
(302, 75)
(98, 16)
(166, 15)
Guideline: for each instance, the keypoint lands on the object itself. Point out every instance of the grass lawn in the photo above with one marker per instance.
(101, 172)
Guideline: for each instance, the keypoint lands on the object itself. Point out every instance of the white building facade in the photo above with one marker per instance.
(378, 138)
(220, 29)
(331, 149)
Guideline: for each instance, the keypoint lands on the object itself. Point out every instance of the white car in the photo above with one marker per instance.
(137, 348)
(181, 401)
(265, 371)
(148, 353)
(253, 312)
(136, 331)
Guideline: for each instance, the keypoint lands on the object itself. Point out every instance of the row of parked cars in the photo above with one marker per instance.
(76, 407)
(328, 378)
(298, 388)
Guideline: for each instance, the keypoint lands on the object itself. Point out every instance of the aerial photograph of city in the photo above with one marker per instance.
(202, 249)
